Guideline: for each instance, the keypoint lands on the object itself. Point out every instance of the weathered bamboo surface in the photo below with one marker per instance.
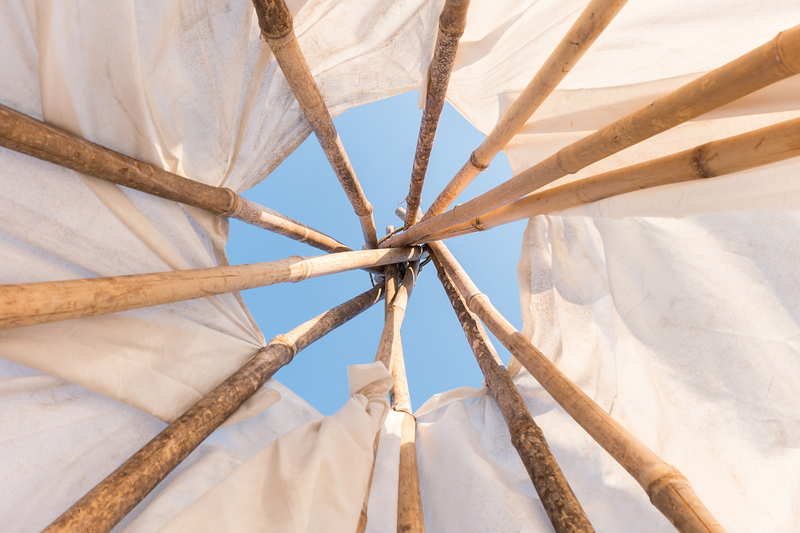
(594, 19)
(38, 139)
(389, 349)
(26, 304)
(452, 22)
(667, 488)
(114, 497)
(390, 288)
(409, 497)
(558, 500)
(756, 148)
(399, 395)
(767, 64)
(390, 343)
(277, 29)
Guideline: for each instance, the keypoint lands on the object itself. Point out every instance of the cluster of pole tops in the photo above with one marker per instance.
(518, 198)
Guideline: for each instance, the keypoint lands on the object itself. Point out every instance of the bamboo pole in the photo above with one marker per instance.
(390, 284)
(35, 138)
(756, 148)
(767, 64)
(452, 22)
(584, 32)
(26, 304)
(667, 488)
(114, 497)
(390, 344)
(558, 500)
(276, 28)
(390, 350)
(390, 278)
(409, 497)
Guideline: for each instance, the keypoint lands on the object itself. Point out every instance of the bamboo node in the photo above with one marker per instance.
(449, 31)
(784, 56)
(656, 475)
(671, 475)
(303, 264)
(475, 163)
(471, 297)
(286, 341)
(236, 205)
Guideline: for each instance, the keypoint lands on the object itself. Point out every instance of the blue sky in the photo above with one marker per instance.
(380, 139)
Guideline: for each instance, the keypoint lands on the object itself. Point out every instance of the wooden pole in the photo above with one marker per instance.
(584, 32)
(558, 500)
(452, 22)
(390, 280)
(276, 28)
(717, 158)
(774, 61)
(26, 304)
(390, 344)
(114, 497)
(35, 138)
(390, 350)
(667, 488)
(409, 497)
(390, 284)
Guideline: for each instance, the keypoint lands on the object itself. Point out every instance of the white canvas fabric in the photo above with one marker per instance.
(472, 478)
(674, 308)
(685, 330)
(313, 478)
(59, 439)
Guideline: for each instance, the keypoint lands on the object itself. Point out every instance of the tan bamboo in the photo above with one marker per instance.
(767, 64)
(390, 344)
(390, 279)
(389, 349)
(558, 500)
(390, 284)
(667, 488)
(276, 28)
(35, 138)
(114, 497)
(452, 22)
(584, 32)
(756, 148)
(26, 304)
(409, 497)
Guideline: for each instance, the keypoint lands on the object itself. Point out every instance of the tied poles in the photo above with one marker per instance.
(669, 491)
(451, 27)
(35, 138)
(772, 62)
(756, 148)
(27, 304)
(558, 500)
(594, 19)
(277, 29)
(111, 500)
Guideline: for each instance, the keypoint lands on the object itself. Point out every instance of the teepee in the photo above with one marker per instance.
(654, 153)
